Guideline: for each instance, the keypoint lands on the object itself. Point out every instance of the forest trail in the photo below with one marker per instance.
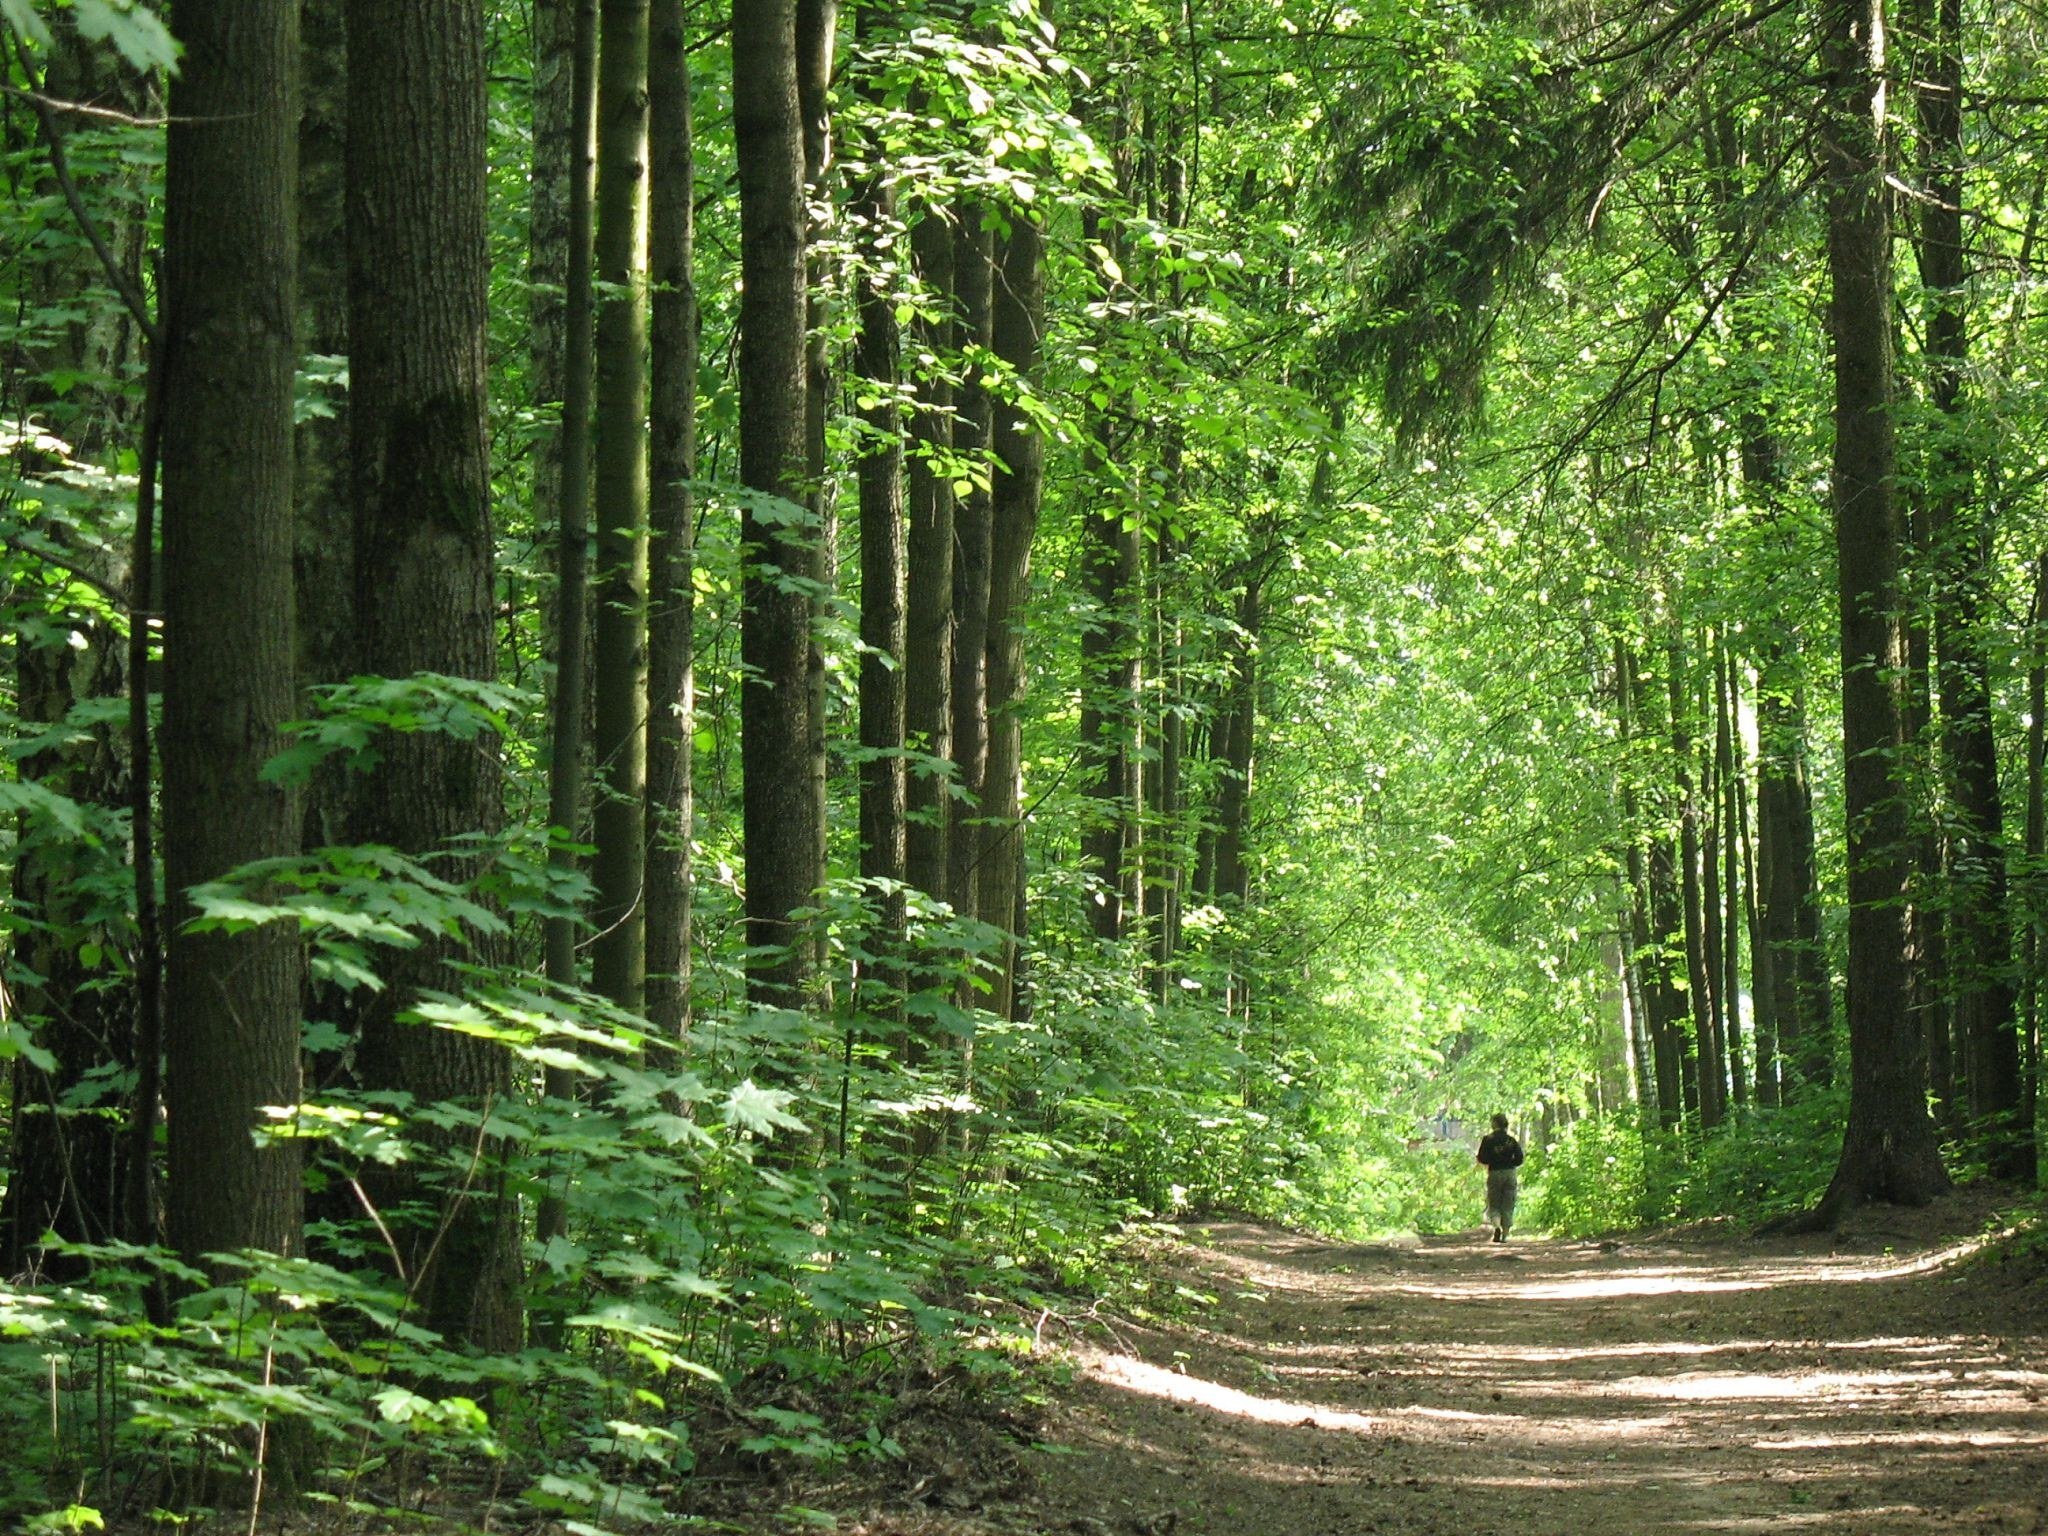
(1688, 1382)
(1868, 1384)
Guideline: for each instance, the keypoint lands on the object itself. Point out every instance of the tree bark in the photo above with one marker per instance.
(425, 579)
(972, 253)
(1734, 838)
(1981, 989)
(1700, 979)
(230, 266)
(564, 114)
(882, 622)
(1888, 1149)
(1018, 482)
(817, 39)
(672, 463)
(619, 496)
(928, 630)
(775, 626)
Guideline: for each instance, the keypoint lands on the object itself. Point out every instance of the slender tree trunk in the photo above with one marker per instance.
(1019, 476)
(230, 264)
(882, 631)
(425, 580)
(1933, 995)
(2033, 887)
(1700, 978)
(928, 669)
(1239, 726)
(972, 255)
(1734, 838)
(817, 36)
(619, 495)
(1979, 923)
(1888, 1150)
(565, 111)
(324, 556)
(779, 811)
(672, 463)
(564, 116)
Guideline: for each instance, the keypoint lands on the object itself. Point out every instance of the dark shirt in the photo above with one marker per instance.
(1497, 1149)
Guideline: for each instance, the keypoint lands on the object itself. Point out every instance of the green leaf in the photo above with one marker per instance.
(142, 39)
(750, 1107)
(23, 18)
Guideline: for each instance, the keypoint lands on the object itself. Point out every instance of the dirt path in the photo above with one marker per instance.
(1860, 1385)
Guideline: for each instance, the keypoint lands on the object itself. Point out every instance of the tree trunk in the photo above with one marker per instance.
(928, 631)
(1980, 934)
(1238, 730)
(778, 810)
(817, 36)
(1734, 837)
(425, 579)
(672, 463)
(230, 265)
(1019, 477)
(619, 496)
(324, 557)
(1888, 1149)
(882, 778)
(564, 111)
(972, 255)
(1699, 973)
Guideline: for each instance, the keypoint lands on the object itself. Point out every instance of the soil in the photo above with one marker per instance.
(1890, 1378)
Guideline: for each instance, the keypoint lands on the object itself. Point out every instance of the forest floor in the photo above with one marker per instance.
(1890, 1378)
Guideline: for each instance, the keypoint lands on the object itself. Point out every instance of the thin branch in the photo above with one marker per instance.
(60, 167)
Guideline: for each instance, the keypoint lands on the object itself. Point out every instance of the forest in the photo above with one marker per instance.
(707, 707)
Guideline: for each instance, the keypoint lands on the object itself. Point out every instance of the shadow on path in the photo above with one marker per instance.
(1693, 1384)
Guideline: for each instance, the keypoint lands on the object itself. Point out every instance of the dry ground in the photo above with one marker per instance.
(1876, 1383)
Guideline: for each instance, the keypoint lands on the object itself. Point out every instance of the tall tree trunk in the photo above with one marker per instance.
(928, 633)
(1238, 732)
(1700, 979)
(817, 38)
(882, 662)
(425, 580)
(324, 557)
(1019, 476)
(230, 264)
(778, 812)
(565, 108)
(619, 495)
(672, 462)
(2033, 886)
(1734, 838)
(565, 112)
(1980, 930)
(1933, 996)
(972, 256)
(1888, 1149)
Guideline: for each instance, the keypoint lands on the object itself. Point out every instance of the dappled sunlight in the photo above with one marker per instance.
(1654, 1389)
(1135, 1375)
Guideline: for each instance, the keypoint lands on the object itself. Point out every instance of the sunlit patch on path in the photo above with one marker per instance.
(1703, 1385)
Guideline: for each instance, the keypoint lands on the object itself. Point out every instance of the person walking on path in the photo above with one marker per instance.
(1500, 1154)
